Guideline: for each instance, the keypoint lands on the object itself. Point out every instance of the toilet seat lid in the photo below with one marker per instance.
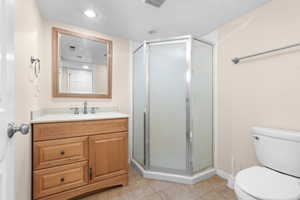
(267, 184)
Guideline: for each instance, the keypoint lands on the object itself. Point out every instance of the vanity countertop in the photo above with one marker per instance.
(48, 118)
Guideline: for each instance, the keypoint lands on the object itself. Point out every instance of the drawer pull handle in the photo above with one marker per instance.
(62, 153)
(62, 180)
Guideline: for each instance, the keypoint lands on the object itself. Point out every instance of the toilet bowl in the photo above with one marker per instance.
(261, 183)
(279, 177)
(241, 195)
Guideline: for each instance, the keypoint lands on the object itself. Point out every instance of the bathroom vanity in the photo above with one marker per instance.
(74, 155)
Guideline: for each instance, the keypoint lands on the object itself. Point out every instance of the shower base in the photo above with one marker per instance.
(184, 179)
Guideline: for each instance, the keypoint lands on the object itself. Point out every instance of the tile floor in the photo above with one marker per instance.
(140, 188)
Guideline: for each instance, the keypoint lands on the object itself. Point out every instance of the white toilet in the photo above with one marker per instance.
(279, 179)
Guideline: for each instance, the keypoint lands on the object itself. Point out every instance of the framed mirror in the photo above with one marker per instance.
(82, 65)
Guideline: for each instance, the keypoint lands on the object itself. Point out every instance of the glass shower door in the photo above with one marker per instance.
(202, 105)
(167, 106)
(139, 104)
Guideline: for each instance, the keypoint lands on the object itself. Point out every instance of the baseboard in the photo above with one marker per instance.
(174, 177)
(229, 177)
(137, 166)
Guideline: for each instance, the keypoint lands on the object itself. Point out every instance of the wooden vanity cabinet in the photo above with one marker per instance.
(74, 158)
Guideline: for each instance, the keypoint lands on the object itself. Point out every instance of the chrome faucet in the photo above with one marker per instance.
(85, 107)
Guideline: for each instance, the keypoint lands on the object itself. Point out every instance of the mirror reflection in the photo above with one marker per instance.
(83, 66)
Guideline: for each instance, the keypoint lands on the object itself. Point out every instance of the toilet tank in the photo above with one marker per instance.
(278, 149)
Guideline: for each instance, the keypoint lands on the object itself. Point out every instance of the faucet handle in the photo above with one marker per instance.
(75, 110)
(94, 109)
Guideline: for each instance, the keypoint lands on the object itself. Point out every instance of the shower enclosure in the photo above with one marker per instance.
(173, 108)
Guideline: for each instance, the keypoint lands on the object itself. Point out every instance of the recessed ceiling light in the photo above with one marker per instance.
(90, 13)
(85, 67)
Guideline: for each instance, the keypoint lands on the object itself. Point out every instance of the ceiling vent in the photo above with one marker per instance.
(155, 3)
(72, 47)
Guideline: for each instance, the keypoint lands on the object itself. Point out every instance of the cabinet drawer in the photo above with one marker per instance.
(59, 179)
(59, 152)
(51, 131)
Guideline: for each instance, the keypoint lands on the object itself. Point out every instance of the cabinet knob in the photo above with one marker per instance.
(62, 180)
(62, 153)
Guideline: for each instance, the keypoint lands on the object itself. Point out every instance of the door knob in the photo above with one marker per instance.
(12, 129)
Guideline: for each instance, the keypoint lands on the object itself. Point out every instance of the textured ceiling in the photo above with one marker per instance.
(133, 19)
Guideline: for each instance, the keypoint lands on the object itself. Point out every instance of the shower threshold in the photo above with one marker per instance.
(184, 179)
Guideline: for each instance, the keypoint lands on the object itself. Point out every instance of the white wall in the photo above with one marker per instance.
(263, 91)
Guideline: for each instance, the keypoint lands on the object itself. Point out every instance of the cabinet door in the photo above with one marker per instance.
(108, 156)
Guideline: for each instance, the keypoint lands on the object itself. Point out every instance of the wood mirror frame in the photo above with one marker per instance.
(55, 65)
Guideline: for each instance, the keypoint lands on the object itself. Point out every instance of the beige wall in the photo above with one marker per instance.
(28, 35)
(33, 38)
(264, 91)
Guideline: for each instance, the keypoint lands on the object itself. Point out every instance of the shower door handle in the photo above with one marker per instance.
(145, 138)
(145, 115)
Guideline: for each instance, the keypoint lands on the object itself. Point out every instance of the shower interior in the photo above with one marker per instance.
(173, 108)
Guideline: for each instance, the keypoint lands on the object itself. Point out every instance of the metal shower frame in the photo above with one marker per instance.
(189, 121)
